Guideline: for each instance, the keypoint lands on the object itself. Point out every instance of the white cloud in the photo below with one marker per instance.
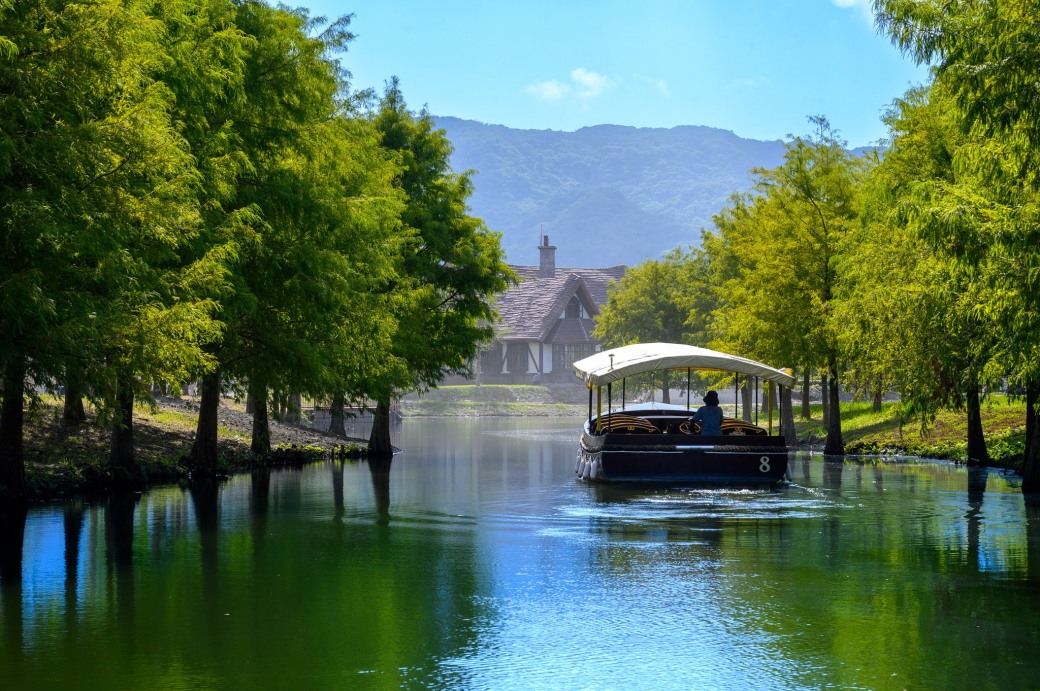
(590, 84)
(659, 84)
(551, 90)
(584, 85)
(865, 8)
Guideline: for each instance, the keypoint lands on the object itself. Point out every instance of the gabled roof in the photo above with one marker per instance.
(531, 310)
(596, 280)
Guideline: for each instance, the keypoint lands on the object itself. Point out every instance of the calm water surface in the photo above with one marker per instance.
(475, 560)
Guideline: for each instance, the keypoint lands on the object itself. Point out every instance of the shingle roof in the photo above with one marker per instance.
(531, 310)
(595, 279)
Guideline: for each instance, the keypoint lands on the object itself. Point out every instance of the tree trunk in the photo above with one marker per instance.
(834, 445)
(1031, 469)
(806, 406)
(121, 456)
(825, 398)
(203, 457)
(666, 388)
(73, 413)
(977, 454)
(337, 415)
(787, 416)
(379, 445)
(12, 420)
(295, 409)
(1032, 389)
(261, 442)
(876, 407)
(745, 402)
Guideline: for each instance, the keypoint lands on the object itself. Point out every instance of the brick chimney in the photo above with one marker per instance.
(546, 259)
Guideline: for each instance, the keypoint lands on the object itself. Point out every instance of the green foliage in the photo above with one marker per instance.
(776, 254)
(654, 302)
(451, 265)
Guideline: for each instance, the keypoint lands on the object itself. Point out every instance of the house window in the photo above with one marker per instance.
(574, 310)
(516, 358)
(566, 354)
(491, 360)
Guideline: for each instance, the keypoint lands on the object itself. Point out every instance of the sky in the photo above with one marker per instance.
(758, 68)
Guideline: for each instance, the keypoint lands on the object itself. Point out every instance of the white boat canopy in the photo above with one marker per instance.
(611, 365)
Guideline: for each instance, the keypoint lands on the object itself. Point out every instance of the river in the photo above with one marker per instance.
(476, 560)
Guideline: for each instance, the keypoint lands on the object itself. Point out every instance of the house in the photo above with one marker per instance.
(546, 322)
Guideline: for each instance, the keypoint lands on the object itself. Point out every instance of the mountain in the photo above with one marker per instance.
(604, 195)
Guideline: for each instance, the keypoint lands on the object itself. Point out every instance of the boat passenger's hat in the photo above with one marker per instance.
(711, 398)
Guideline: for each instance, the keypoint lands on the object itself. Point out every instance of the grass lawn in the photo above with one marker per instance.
(866, 432)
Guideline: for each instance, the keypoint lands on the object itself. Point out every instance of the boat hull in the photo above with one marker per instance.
(747, 460)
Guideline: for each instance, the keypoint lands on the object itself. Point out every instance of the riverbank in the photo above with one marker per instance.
(64, 461)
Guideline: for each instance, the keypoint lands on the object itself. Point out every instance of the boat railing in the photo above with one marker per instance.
(626, 423)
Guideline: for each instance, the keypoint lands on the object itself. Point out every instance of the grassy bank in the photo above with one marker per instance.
(62, 461)
(498, 399)
(866, 432)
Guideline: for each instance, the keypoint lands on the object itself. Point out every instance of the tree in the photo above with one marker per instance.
(911, 311)
(986, 56)
(93, 176)
(776, 261)
(452, 266)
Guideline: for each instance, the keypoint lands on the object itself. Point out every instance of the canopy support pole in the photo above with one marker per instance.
(599, 409)
(757, 406)
(590, 403)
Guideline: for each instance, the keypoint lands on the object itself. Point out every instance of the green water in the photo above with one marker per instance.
(478, 561)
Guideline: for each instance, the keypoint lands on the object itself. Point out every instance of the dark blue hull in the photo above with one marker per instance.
(746, 460)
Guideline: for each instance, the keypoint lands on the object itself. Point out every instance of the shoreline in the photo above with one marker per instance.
(68, 462)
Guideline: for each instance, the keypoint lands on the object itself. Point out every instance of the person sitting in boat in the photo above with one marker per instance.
(709, 415)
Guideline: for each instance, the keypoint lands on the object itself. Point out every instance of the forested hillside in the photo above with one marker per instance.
(634, 192)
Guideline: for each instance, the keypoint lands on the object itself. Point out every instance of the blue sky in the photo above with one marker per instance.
(758, 68)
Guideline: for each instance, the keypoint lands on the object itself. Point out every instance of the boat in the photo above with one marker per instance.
(659, 442)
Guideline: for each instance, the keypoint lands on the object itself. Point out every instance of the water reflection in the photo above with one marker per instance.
(476, 560)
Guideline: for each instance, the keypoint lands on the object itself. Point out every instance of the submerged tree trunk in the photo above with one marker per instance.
(12, 420)
(1031, 468)
(379, 445)
(261, 442)
(204, 457)
(977, 453)
(806, 384)
(834, 444)
(121, 455)
(337, 415)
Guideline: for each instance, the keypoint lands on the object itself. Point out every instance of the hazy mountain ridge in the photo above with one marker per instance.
(605, 195)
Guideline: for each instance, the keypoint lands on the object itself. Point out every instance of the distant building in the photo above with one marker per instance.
(547, 322)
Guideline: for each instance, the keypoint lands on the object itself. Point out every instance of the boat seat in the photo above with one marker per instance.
(617, 422)
(739, 427)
